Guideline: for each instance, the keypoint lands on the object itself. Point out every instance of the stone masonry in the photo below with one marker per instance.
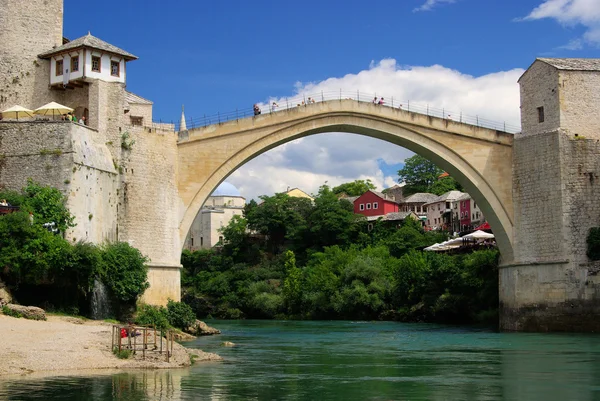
(551, 285)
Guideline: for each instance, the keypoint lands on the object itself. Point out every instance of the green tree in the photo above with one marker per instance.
(123, 270)
(445, 184)
(419, 174)
(331, 221)
(354, 188)
(292, 285)
(48, 205)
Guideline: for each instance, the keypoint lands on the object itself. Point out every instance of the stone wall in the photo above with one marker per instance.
(70, 157)
(140, 110)
(580, 102)
(27, 28)
(149, 211)
(552, 286)
(537, 197)
(539, 87)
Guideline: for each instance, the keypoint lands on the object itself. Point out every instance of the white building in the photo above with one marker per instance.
(224, 203)
(87, 57)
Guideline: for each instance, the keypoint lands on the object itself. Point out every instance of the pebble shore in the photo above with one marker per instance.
(67, 344)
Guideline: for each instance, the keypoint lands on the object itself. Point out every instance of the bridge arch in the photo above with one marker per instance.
(478, 158)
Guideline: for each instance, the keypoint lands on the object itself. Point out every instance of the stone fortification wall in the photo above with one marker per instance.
(552, 285)
(539, 87)
(141, 110)
(27, 28)
(537, 198)
(107, 102)
(38, 150)
(72, 158)
(150, 209)
(579, 103)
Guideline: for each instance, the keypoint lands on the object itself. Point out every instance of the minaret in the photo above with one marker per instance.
(182, 126)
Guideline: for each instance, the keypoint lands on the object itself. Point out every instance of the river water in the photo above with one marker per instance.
(275, 360)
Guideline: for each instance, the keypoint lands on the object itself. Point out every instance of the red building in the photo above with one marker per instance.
(464, 203)
(373, 203)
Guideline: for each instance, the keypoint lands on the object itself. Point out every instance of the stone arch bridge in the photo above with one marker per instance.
(479, 158)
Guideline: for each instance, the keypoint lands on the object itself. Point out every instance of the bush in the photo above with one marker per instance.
(152, 315)
(122, 269)
(9, 312)
(123, 354)
(180, 315)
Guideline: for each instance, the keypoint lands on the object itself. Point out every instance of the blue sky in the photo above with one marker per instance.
(218, 56)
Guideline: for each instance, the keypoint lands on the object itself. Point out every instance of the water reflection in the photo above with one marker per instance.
(160, 385)
(348, 361)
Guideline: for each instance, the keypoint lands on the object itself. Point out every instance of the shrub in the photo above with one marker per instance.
(180, 314)
(152, 315)
(122, 269)
(10, 312)
(123, 354)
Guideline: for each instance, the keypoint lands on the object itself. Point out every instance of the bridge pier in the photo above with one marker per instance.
(165, 284)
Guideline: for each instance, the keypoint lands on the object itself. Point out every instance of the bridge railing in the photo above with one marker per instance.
(305, 100)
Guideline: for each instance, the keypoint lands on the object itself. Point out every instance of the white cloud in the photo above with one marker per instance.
(430, 4)
(571, 13)
(308, 162)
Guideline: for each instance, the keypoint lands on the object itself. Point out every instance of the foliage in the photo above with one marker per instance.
(419, 174)
(443, 185)
(122, 269)
(180, 315)
(354, 188)
(48, 205)
(593, 243)
(123, 353)
(149, 315)
(318, 260)
(9, 312)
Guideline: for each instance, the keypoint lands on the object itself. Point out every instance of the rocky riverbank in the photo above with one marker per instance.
(66, 343)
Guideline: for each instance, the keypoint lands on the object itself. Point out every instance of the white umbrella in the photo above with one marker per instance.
(479, 235)
(16, 112)
(53, 109)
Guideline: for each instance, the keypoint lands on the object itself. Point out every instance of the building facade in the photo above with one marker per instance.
(217, 212)
(441, 214)
(373, 203)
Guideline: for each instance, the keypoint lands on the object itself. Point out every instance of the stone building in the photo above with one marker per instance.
(217, 212)
(416, 203)
(119, 176)
(440, 212)
(551, 284)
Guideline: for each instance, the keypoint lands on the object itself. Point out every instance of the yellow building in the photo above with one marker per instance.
(298, 193)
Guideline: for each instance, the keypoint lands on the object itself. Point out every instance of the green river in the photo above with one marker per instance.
(341, 360)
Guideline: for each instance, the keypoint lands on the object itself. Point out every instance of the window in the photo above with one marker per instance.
(59, 67)
(438, 206)
(368, 206)
(370, 226)
(201, 241)
(447, 205)
(375, 205)
(540, 111)
(192, 240)
(221, 239)
(140, 121)
(362, 206)
(114, 68)
(96, 64)
(75, 63)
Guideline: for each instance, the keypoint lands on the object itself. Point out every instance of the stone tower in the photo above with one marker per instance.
(27, 28)
(552, 285)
